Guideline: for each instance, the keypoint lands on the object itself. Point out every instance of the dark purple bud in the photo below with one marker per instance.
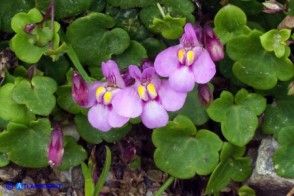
(80, 91)
(127, 77)
(291, 88)
(55, 148)
(199, 32)
(272, 7)
(213, 44)
(129, 153)
(29, 28)
(204, 94)
(146, 63)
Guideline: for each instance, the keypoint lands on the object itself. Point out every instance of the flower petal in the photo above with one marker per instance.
(167, 61)
(127, 103)
(111, 72)
(171, 99)
(189, 38)
(203, 68)
(98, 117)
(116, 120)
(92, 93)
(135, 72)
(182, 80)
(154, 115)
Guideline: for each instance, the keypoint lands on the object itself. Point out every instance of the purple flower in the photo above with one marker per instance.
(55, 148)
(204, 94)
(82, 92)
(149, 97)
(186, 63)
(213, 45)
(272, 7)
(101, 115)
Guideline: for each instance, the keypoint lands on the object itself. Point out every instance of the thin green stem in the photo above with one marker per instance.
(165, 186)
(161, 10)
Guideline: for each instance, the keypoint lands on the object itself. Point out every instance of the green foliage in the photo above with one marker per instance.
(246, 191)
(182, 152)
(256, 67)
(283, 161)
(36, 95)
(238, 116)
(26, 145)
(4, 160)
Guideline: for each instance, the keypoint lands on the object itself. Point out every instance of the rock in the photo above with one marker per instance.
(29, 181)
(5, 192)
(10, 173)
(264, 180)
(77, 178)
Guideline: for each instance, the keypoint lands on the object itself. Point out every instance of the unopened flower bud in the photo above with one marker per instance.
(213, 44)
(271, 7)
(199, 32)
(291, 88)
(204, 94)
(129, 153)
(80, 91)
(29, 28)
(55, 148)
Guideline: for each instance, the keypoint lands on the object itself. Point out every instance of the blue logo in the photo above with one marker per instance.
(19, 186)
(9, 186)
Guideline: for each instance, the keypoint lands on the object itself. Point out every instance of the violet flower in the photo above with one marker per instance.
(101, 115)
(212, 43)
(82, 92)
(55, 147)
(149, 98)
(186, 63)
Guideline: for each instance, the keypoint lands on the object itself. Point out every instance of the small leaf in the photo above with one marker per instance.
(74, 154)
(4, 160)
(182, 152)
(238, 170)
(230, 22)
(37, 95)
(246, 191)
(65, 101)
(256, 67)
(131, 3)
(238, 117)
(36, 138)
(10, 110)
(231, 151)
(283, 161)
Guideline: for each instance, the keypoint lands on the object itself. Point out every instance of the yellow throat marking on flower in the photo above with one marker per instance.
(142, 92)
(181, 55)
(107, 98)
(100, 91)
(190, 58)
(152, 91)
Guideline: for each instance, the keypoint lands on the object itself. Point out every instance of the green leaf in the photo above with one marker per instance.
(275, 40)
(230, 22)
(182, 152)
(246, 191)
(131, 3)
(250, 7)
(65, 8)
(131, 56)
(94, 136)
(238, 117)
(37, 95)
(65, 101)
(280, 113)
(283, 161)
(256, 67)
(193, 109)
(153, 46)
(4, 160)
(9, 8)
(238, 170)
(169, 27)
(35, 136)
(291, 8)
(10, 110)
(231, 151)
(74, 154)
(91, 40)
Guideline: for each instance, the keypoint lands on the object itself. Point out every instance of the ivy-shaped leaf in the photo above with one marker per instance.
(74, 154)
(256, 67)
(65, 8)
(93, 42)
(275, 40)
(10, 110)
(238, 116)
(246, 191)
(280, 113)
(230, 22)
(65, 101)
(282, 158)
(37, 95)
(131, 3)
(27, 145)
(94, 136)
(232, 167)
(182, 152)
(169, 27)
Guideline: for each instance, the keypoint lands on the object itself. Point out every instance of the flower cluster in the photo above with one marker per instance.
(141, 92)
